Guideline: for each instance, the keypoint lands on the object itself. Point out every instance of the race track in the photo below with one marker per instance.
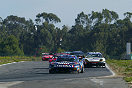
(35, 75)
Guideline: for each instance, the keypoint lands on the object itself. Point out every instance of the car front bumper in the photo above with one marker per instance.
(94, 63)
(64, 69)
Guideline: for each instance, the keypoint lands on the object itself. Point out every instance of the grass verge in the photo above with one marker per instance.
(10, 59)
(122, 68)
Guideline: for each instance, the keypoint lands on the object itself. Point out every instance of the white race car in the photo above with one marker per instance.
(94, 59)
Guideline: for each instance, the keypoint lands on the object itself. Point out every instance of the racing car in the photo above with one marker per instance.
(56, 55)
(79, 54)
(94, 59)
(46, 57)
(66, 63)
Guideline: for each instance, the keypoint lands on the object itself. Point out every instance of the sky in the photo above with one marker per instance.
(66, 10)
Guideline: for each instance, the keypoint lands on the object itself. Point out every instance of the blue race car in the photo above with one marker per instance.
(66, 63)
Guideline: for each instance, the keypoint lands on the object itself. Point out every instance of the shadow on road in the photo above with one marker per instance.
(40, 68)
(94, 67)
(41, 73)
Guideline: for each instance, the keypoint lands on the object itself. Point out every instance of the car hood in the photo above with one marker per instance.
(64, 62)
(95, 59)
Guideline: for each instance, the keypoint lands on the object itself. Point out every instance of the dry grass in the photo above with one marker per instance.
(122, 67)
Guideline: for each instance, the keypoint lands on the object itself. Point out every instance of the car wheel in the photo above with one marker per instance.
(43, 60)
(75, 72)
(82, 70)
(51, 72)
(103, 65)
(85, 65)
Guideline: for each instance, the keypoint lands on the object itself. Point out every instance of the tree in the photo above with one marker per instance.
(59, 50)
(128, 15)
(96, 18)
(83, 19)
(109, 16)
(10, 46)
(47, 17)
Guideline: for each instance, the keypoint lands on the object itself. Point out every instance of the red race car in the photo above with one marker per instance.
(46, 57)
(56, 55)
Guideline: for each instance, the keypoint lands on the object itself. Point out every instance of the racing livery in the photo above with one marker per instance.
(94, 59)
(66, 63)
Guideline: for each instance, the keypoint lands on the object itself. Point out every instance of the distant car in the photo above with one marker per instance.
(46, 57)
(94, 59)
(53, 58)
(66, 63)
(56, 55)
(67, 52)
(79, 54)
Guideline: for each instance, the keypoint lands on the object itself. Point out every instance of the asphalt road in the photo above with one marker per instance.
(35, 75)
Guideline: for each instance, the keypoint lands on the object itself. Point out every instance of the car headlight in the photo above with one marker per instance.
(101, 60)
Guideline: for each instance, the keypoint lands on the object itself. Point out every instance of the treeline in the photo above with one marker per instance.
(98, 31)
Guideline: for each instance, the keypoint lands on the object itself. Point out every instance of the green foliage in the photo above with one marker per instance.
(128, 79)
(59, 50)
(10, 46)
(10, 59)
(41, 50)
(48, 17)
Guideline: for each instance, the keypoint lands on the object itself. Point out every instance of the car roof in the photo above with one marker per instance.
(77, 52)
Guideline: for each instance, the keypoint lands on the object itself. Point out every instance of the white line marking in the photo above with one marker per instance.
(113, 73)
(11, 63)
(8, 84)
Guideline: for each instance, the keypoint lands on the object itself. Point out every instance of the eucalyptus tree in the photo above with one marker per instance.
(16, 25)
(83, 19)
(96, 18)
(128, 15)
(47, 17)
(47, 33)
(3, 31)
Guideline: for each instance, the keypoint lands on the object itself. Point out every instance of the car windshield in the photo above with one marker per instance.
(65, 59)
(94, 55)
(45, 54)
(77, 53)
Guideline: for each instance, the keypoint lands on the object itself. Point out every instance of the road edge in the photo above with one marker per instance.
(11, 63)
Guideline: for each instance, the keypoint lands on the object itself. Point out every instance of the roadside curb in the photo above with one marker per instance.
(113, 73)
(8, 84)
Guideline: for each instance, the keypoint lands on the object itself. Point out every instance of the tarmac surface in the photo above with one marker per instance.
(36, 75)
